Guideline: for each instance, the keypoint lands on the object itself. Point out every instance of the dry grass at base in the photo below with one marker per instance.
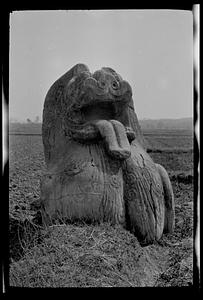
(88, 256)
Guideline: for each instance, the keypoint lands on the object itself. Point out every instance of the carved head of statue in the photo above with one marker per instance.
(90, 106)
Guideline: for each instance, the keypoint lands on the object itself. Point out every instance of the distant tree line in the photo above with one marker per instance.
(183, 123)
(37, 120)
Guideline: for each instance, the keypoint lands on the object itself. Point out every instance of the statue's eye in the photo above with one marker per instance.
(115, 85)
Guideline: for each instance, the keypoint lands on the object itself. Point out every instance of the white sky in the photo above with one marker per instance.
(151, 49)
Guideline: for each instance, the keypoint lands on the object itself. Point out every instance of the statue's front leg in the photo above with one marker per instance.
(169, 221)
(144, 199)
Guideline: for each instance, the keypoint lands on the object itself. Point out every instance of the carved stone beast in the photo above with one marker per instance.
(97, 166)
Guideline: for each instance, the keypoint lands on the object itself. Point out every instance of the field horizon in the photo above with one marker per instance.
(145, 123)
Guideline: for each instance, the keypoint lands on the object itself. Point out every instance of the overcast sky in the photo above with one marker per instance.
(151, 49)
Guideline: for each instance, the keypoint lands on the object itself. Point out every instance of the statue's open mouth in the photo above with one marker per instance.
(100, 111)
(106, 110)
(111, 120)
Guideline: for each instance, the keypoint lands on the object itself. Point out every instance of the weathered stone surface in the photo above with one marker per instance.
(97, 166)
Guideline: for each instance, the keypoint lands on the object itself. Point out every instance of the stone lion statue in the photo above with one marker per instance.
(97, 167)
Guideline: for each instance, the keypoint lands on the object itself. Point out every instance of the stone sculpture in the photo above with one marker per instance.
(97, 166)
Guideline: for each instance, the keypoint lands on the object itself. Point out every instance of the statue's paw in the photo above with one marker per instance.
(120, 153)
